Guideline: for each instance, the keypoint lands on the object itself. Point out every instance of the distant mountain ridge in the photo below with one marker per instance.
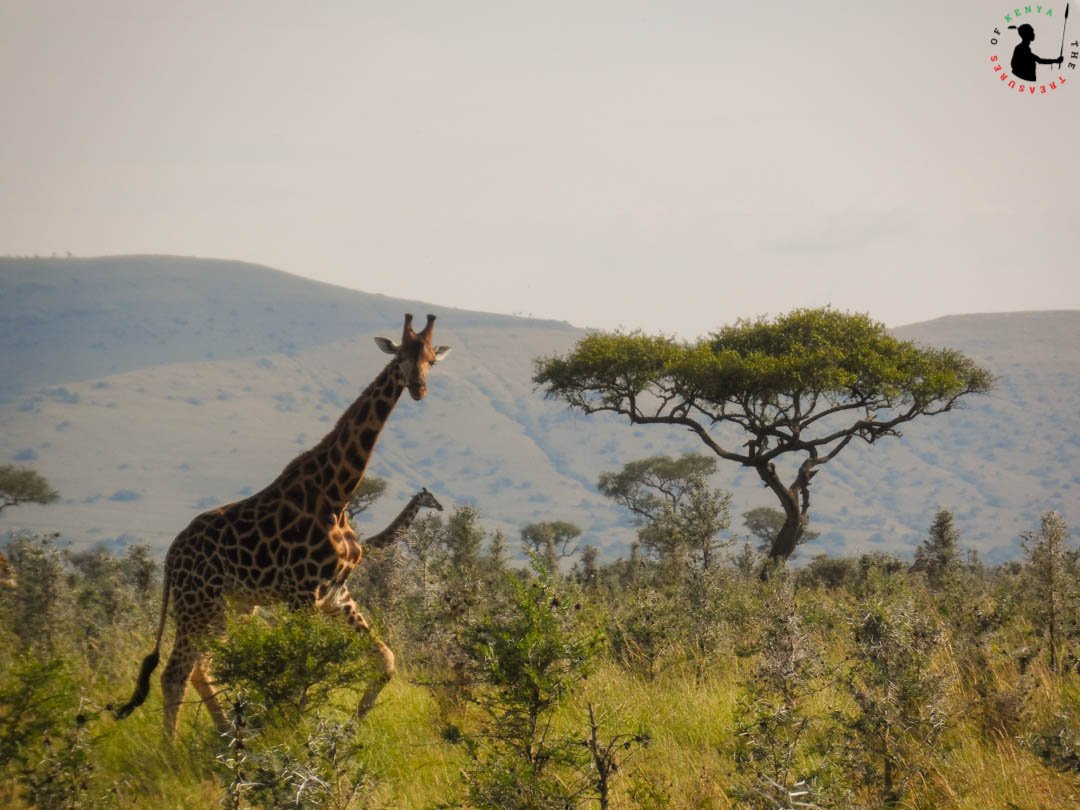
(148, 388)
(114, 314)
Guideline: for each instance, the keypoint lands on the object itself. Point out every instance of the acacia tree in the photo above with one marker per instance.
(672, 501)
(550, 541)
(370, 490)
(22, 485)
(799, 388)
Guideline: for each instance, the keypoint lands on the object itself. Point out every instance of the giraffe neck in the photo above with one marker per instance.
(335, 467)
(398, 526)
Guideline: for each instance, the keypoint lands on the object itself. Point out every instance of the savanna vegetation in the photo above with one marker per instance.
(677, 676)
(674, 677)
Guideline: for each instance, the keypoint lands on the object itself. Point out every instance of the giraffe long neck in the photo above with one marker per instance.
(335, 467)
(398, 526)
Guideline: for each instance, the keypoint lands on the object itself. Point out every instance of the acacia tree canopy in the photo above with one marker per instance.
(764, 523)
(370, 490)
(647, 486)
(551, 540)
(672, 501)
(23, 485)
(803, 385)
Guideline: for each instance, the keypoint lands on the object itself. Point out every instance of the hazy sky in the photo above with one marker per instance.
(670, 166)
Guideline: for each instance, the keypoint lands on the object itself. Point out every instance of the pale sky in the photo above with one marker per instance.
(665, 166)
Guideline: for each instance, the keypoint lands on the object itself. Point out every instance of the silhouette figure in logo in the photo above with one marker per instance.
(1023, 60)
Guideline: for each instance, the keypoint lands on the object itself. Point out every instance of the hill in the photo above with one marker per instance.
(149, 388)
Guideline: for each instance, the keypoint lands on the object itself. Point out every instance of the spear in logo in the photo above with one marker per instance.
(1064, 25)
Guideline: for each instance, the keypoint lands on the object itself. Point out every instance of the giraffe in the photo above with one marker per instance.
(291, 542)
(399, 525)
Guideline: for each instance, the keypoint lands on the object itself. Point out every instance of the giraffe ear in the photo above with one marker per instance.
(387, 345)
(441, 352)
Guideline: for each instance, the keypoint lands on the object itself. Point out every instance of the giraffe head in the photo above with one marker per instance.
(427, 500)
(415, 354)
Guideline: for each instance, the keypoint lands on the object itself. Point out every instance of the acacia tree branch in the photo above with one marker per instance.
(844, 442)
(862, 403)
(625, 403)
(696, 427)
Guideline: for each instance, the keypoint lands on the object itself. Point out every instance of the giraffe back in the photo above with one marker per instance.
(262, 549)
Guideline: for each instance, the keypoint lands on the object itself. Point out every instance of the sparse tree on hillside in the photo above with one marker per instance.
(463, 540)
(765, 524)
(1047, 555)
(371, 489)
(43, 599)
(550, 541)
(530, 656)
(800, 388)
(680, 514)
(939, 553)
(588, 569)
(901, 696)
(462, 544)
(140, 571)
(20, 485)
(772, 717)
(8, 580)
(495, 559)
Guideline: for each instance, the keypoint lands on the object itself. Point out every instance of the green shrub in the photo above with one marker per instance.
(899, 692)
(291, 662)
(772, 718)
(528, 658)
(45, 746)
(41, 607)
(37, 697)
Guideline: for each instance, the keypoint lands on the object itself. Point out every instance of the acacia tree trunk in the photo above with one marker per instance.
(796, 502)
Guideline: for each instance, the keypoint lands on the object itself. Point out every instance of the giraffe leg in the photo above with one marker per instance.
(384, 656)
(205, 687)
(174, 680)
(185, 663)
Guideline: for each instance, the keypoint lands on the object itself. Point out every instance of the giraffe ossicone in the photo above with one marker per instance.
(290, 542)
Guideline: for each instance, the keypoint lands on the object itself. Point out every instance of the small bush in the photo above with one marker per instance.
(772, 719)
(899, 692)
(318, 770)
(37, 696)
(292, 662)
(528, 659)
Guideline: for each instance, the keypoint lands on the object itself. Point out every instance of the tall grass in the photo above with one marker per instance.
(1010, 736)
(687, 764)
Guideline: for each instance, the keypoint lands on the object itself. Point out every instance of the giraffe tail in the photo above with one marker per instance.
(149, 664)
